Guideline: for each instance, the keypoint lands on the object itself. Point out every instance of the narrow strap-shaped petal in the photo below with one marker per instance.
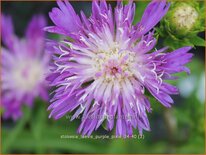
(152, 15)
(65, 19)
(8, 36)
(35, 34)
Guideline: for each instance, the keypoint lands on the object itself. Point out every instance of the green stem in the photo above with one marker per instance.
(7, 142)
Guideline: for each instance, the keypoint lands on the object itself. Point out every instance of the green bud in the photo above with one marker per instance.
(183, 18)
(182, 23)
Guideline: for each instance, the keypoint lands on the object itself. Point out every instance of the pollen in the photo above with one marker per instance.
(27, 74)
(116, 64)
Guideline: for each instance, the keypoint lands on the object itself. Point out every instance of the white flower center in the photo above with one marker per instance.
(114, 64)
(27, 74)
(185, 16)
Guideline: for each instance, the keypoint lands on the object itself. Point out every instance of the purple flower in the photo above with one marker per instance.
(103, 70)
(24, 63)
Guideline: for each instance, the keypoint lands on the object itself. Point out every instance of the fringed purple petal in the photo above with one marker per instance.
(152, 15)
(35, 34)
(8, 36)
(68, 25)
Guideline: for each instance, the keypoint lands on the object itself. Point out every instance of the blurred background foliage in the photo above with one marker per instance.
(179, 129)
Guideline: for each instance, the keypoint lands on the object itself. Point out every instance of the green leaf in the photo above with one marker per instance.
(51, 141)
(10, 139)
(140, 7)
(197, 41)
(174, 44)
(117, 146)
(38, 122)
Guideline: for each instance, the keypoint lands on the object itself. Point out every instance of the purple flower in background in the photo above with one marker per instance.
(24, 64)
(102, 71)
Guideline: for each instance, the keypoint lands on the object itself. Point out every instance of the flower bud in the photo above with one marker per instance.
(182, 24)
(184, 17)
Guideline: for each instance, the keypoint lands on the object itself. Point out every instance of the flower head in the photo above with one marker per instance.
(103, 71)
(182, 24)
(183, 17)
(24, 64)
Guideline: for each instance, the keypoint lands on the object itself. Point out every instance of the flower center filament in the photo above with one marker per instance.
(115, 64)
(27, 74)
